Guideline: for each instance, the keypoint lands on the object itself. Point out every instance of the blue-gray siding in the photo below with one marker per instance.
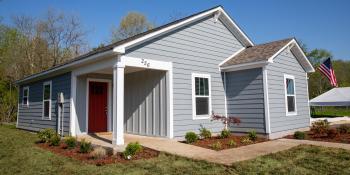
(245, 99)
(30, 117)
(197, 48)
(286, 63)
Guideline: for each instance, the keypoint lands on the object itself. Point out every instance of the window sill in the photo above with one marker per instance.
(291, 113)
(45, 118)
(201, 117)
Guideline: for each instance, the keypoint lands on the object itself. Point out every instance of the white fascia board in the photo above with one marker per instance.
(231, 56)
(123, 47)
(312, 69)
(279, 51)
(244, 66)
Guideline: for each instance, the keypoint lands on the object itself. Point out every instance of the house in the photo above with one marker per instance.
(168, 80)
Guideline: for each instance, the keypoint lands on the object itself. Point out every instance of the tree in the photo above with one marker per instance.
(130, 25)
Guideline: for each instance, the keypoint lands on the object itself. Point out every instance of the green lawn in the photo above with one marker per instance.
(329, 111)
(19, 155)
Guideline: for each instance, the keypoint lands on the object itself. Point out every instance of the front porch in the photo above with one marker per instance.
(132, 96)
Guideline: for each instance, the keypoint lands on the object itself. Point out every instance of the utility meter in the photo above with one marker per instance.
(60, 98)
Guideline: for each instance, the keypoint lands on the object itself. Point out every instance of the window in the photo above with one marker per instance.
(289, 83)
(47, 100)
(25, 97)
(201, 96)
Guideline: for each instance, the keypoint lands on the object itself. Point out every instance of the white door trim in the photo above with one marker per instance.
(109, 102)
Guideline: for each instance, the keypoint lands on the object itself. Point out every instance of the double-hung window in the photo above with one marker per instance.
(201, 96)
(47, 100)
(289, 83)
(25, 96)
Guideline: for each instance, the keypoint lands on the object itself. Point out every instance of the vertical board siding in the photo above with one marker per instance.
(245, 99)
(286, 63)
(146, 103)
(30, 117)
(196, 48)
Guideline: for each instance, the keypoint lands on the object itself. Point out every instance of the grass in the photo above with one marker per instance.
(329, 111)
(19, 155)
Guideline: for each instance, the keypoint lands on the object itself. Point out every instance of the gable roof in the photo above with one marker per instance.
(265, 53)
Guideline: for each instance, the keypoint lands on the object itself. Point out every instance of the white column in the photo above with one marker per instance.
(73, 114)
(118, 103)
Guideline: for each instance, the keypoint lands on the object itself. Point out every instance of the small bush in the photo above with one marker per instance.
(204, 132)
(343, 129)
(85, 146)
(225, 133)
(98, 153)
(216, 145)
(299, 135)
(55, 140)
(71, 142)
(320, 128)
(246, 140)
(232, 143)
(252, 135)
(45, 135)
(132, 149)
(191, 137)
(332, 133)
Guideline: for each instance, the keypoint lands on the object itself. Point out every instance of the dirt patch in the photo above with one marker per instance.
(146, 153)
(207, 143)
(338, 138)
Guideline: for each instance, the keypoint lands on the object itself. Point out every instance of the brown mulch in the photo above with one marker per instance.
(206, 143)
(339, 138)
(146, 153)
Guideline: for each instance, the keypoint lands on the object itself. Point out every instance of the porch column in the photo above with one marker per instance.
(118, 103)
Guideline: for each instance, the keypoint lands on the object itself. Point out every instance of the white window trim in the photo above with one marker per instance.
(25, 88)
(286, 95)
(50, 101)
(194, 115)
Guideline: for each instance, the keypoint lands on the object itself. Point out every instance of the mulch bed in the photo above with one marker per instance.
(146, 153)
(339, 138)
(206, 143)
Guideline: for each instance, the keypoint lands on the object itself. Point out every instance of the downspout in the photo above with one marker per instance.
(225, 90)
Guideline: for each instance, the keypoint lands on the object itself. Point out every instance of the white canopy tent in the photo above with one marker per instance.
(333, 97)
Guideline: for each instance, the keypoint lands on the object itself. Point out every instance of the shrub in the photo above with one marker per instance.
(70, 141)
(299, 135)
(332, 133)
(204, 132)
(246, 140)
(98, 153)
(191, 137)
(252, 135)
(232, 143)
(343, 129)
(55, 140)
(132, 149)
(320, 128)
(225, 133)
(85, 146)
(226, 120)
(216, 145)
(45, 135)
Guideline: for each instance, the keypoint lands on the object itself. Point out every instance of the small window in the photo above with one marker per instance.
(25, 97)
(47, 100)
(201, 96)
(289, 83)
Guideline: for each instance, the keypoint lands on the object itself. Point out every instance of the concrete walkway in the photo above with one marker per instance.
(226, 157)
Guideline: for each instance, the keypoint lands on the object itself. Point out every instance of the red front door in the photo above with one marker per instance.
(97, 107)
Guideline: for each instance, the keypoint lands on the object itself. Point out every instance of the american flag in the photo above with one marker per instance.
(327, 70)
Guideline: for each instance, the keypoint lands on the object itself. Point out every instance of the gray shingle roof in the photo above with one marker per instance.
(257, 53)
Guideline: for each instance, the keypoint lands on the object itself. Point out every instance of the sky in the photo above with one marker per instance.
(317, 23)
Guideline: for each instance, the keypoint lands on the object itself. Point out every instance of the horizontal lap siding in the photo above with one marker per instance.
(286, 63)
(197, 48)
(245, 99)
(30, 118)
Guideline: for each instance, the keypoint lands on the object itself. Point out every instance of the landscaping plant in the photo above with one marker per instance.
(45, 135)
(216, 146)
(225, 133)
(132, 149)
(320, 128)
(70, 141)
(226, 120)
(252, 135)
(204, 132)
(55, 140)
(98, 153)
(343, 129)
(299, 135)
(246, 140)
(232, 143)
(191, 137)
(85, 146)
